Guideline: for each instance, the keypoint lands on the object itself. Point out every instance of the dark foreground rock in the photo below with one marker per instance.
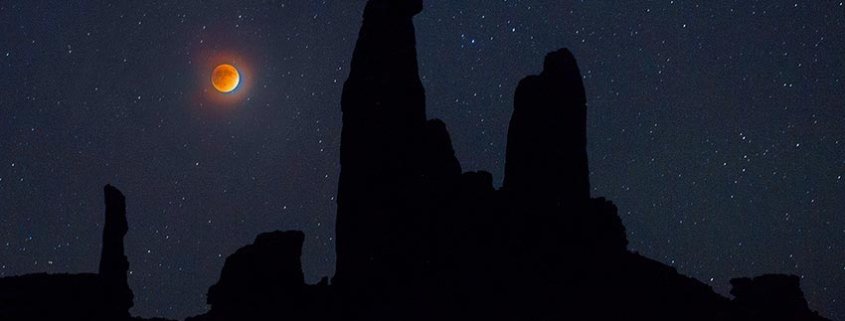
(419, 240)
(264, 280)
(90, 297)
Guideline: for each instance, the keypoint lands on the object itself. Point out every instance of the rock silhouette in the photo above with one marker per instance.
(264, 280)
(379, 217)
(773, 297)
(417, 239)
(114, 265)
(87, 296)
(546, 157)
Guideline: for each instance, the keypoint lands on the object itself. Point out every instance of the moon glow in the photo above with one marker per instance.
(225, 78)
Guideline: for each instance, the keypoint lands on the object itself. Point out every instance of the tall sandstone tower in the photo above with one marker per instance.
(546, 158)
(114, 264)
(384, 125)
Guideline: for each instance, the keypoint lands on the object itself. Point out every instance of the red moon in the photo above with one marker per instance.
(225, 78)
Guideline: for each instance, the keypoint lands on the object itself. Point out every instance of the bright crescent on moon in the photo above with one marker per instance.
(225, 78)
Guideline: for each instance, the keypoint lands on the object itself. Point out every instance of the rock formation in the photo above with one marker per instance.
(383, 106)
(37, 297)
(546, 157)
(419, 240)
(263, 281)
(114, 265)
(85, 297)
(773, 297)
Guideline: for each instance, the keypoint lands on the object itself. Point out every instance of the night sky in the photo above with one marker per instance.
(717, 127)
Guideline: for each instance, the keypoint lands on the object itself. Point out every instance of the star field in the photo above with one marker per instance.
(717, 128)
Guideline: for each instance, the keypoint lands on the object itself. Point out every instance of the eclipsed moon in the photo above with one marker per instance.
(225, 78)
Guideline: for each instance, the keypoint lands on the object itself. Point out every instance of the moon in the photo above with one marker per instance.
(225, 78)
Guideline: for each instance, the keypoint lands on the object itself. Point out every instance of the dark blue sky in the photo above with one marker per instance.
(717, 127)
